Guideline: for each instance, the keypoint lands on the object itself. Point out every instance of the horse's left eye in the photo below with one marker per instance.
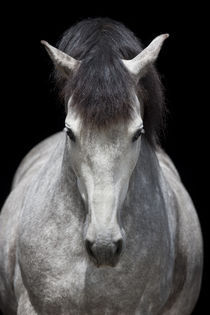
(138, 133)
(70, 134)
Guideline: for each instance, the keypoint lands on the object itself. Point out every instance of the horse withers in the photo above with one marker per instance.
(98, 220)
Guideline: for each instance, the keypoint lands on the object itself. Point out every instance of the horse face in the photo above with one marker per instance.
(103, 162)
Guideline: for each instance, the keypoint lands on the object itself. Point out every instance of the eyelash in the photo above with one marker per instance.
(138, 134)
(70, 134)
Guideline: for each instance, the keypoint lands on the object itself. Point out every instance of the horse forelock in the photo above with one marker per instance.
(102, 89)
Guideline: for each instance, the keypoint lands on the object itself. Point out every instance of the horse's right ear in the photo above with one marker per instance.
(63, 62)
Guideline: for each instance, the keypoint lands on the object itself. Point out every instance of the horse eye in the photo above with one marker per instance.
(138, 133)
(70, 134)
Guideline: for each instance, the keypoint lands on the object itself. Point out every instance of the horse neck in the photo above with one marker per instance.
(67, 176)
(147, 171)
(149, 191)
(146, 187)
(56, 173)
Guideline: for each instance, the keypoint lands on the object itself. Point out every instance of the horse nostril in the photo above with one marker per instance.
(118, 247)
(88, 245)
(90, 251)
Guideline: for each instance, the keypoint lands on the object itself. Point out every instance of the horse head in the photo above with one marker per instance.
(103, 159)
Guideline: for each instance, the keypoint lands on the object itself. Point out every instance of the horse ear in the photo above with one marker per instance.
(63, 62)
(138, 65)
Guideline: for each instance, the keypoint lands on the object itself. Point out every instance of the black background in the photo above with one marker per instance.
(30, 110)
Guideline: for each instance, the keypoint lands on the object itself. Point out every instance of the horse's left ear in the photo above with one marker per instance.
(63, 62)
(138, 65)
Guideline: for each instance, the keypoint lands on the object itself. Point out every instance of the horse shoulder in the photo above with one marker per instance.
(9, 220)
(186, 213)
(188, 243)
(11, 213)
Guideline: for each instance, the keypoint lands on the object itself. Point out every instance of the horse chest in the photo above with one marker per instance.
(64, 275)
(61, 277)
(85, 289)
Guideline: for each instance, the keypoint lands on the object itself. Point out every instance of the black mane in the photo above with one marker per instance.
(102, 86)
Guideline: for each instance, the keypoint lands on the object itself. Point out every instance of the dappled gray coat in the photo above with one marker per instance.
(98, 221)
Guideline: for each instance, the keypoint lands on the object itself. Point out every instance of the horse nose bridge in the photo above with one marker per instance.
(103, 209)
(103, 234)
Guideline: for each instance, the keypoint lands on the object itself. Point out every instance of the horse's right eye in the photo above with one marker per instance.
(70, 134)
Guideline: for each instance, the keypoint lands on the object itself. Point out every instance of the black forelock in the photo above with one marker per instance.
(102, 88)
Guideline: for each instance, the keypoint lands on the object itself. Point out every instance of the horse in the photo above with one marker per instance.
(98, 220)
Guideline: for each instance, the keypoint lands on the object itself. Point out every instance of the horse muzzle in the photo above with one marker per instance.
(103, 252)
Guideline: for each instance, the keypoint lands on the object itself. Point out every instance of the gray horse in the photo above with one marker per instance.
(98, 220)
